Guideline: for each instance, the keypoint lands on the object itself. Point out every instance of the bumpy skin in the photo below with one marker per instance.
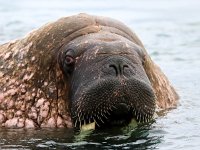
(69, 68)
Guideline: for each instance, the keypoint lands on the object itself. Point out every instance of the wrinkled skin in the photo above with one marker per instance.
(79, 69)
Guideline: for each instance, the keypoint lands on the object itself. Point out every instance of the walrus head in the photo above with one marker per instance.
(108, 84)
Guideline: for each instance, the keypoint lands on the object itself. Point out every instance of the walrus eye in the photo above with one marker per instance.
(69, 60)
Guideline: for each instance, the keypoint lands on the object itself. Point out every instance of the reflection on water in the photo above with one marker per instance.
(170, 31)
(141, 137)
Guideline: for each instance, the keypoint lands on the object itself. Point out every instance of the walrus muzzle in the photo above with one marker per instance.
(108, 83)
(114, 102)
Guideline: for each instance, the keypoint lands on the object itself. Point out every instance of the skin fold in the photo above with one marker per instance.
(77, 70)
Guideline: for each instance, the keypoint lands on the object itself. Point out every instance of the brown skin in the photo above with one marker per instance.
(33, 89)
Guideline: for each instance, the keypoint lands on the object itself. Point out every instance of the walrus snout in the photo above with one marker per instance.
(112, 102)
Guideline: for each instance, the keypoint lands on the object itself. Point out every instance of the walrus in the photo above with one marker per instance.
(78, 70)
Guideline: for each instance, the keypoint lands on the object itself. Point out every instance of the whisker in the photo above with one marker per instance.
(75, 123)
(100, 119)
(96, 123)
(79, 122)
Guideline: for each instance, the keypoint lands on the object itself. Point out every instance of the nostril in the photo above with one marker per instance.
(115, 68)
(119, 69)
(125, 66)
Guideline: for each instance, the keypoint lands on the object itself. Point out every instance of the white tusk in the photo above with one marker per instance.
(86, 127)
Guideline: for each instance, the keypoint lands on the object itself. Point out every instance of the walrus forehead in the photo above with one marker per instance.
(104, 43)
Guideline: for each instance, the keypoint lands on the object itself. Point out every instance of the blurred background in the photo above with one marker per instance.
(170, 31)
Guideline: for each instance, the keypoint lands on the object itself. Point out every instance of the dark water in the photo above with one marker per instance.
(142, 137)
(170, 30)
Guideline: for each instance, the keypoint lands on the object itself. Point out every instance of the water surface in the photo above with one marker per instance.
(169, 29)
